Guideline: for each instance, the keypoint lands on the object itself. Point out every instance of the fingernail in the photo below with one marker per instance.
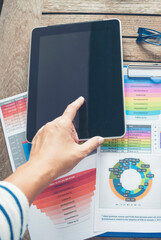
(100, 140)
(81, 98)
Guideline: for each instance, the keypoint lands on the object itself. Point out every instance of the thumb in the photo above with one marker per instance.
(91, 144)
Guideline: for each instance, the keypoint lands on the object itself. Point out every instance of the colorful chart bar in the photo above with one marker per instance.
(14, 114)
(142, 99)
(67, 200)
(137, 139)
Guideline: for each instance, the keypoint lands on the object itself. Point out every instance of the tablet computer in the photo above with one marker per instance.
(72, 60)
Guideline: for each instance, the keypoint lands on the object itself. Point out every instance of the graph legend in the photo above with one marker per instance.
(142, 99)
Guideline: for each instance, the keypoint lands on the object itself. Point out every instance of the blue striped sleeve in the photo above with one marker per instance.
(13, 210)
(8, 220)
(18, 204)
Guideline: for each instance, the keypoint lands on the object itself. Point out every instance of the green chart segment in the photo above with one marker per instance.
(137, 165)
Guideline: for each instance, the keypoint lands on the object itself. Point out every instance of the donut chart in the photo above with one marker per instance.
(137, 165)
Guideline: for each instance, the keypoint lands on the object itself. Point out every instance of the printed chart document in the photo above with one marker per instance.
(65, 209)
(128, 182)
(128, 193)
(13, 118)
(117, 189)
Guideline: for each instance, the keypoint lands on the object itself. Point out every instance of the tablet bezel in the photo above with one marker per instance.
(34, 54)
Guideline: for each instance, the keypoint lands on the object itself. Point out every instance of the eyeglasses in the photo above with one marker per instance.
(149, 36)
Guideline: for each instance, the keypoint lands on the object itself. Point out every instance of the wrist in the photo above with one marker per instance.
(31, 178)
(42, 172)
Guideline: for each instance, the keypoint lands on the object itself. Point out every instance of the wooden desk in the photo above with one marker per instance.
(19, 17)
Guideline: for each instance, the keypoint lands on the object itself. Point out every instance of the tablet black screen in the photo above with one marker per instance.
(73, 60)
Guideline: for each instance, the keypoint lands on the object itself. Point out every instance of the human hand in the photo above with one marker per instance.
(55, 151)
(55, 147)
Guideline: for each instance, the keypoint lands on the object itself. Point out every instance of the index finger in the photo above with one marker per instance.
(72, 108)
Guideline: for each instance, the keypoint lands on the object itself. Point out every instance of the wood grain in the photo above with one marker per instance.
(131, 50)
(130, 23)
(103, 6)
(140, 52)
(17, 20)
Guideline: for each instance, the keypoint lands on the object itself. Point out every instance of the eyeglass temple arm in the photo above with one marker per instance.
(147, 31)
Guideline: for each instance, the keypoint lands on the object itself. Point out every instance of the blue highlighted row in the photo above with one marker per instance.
(145, 113)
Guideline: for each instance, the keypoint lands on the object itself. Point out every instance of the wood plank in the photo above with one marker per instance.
(131, 50)
(130, 23)
(17, 20)
(140, 52)
(102, 6)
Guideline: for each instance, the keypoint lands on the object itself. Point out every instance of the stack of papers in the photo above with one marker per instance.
(109, 191)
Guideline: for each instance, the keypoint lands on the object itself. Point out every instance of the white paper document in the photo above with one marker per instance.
(13, 118)
(65, 210)
(128, 193)
(128, 177)
(117, 189)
